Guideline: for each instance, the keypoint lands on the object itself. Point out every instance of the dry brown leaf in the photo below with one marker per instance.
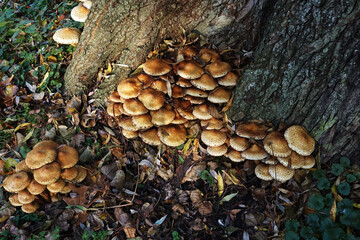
(205, 208)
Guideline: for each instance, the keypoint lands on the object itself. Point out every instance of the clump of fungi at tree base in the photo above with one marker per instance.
(71, 35)
(171, 101)
(44, 175)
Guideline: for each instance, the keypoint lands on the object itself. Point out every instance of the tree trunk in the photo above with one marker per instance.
(305, 68)
(125, 31)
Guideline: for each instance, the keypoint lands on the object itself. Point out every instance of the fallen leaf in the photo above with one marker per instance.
(220, 184)
(333, 211)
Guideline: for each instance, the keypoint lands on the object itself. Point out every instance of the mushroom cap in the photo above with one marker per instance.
(172, 135)
(142, 121)
(182, 82)
(38, 157)
(129, 88)
(57, 186)
(25, 197)
(218, 68)
(115, 97)
(79, 13)
(281, 173)
(229, 80)
(128, 124)
(213, 138)
(253, 130)
(194, 100)
(160, 85)
(235, 156)
(309, 162)
(66, 189)
(163, 116)
(299, 140)
(47, 144)
(87, 4)
(187, 114)
(217, 151)
(219, 95)
(239, 143)
(254, 152)
(189, 69)
(16, 182)
(30, 207)
(178, 118)
(150, 137)
(156, 67)
(195, 92)
(262, 172)
(113, 109)
(276, 145)
(67, 156)
(212, 124)
(21, 166)
(177, 92)
(69, 35)
(152, 99)
(35, 188)
(209, 55)
(294, 161)
(188, 52)
(202, 112)
(145, 79)
(14, 200)
(270, 161)
(82, 172)
(134, 107)
(69, 173)
(205, 82)
(48, 173)
(129, 134)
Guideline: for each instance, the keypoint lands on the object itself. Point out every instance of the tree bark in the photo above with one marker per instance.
(125, 31)
(306, 70)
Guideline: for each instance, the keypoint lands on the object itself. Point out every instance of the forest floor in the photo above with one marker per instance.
(168, 193)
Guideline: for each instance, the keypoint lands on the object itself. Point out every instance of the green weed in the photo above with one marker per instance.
(331, 219)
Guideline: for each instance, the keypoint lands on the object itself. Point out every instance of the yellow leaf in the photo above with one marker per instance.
(357, 205)
(44, 23)
(220, 184)
(109, 69)
(187, 146)
(233, 179)
(41, 59)
(4, 218)
(52, 59)
(22, 126)
(107, 139)
(333, 211)
(336, 195)
(46, 76)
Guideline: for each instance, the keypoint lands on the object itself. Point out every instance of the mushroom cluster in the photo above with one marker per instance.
(160, 104)
(71, 35)
(43, 174)
(277, 154)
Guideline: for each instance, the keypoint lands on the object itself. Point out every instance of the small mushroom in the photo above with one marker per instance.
(172, 135)
(156, 67)
(213, 138)
(67, 156)
(16, 182)
(80, 13)
(299, 140)
(69, 35)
